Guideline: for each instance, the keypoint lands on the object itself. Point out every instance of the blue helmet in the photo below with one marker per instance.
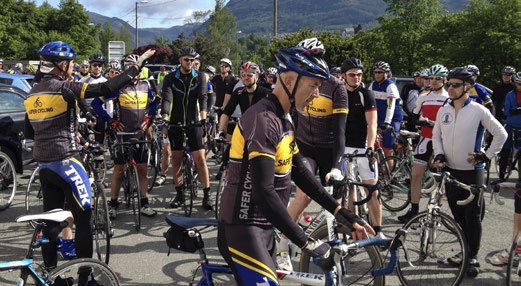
(57, 51)
(306, 62)
(473, 69)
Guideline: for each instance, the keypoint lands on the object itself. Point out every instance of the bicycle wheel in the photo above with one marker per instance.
(358, 264)
(85, 268)
(220, 189)
(513, 267)
(188, 187)
(101, 224)
(8, 183)
(395, 182)
(153, 163)
(134, 195)
(33, 194)
(430, 243)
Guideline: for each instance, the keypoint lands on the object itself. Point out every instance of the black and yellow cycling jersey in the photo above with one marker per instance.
(316, 126)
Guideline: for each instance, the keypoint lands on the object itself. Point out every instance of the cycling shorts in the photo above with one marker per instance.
(195, 138)
(317, 158)
(250, 255)
(388, 137)
(140, 153)
(423, 151)
(362, 163)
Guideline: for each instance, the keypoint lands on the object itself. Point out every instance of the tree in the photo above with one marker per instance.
(162, 54)
(222, 31)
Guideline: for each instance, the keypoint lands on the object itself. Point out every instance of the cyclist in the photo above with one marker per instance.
(360, 133)
(456, 141)
(264, 158)
(320, 137)
(51, 110)
(131, 105)
(426, 109)
(512, 112)
(84, 70)
(184, 101)
(479, 92)
(223, 84)
(500, 91)
(387, 104)
(410, 92)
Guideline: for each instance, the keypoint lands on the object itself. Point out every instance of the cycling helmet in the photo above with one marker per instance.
(438, 70)
(197, 56)
(210, 69)
(187, 51)
(303, 61)
(416, 74)
(226, 61)
(382, 65)
(508, 70)
(130, 59)
(97, 57)
(461, 73)
(250, 67)
(517, 77)
(56, 52)
(115, 65)
(271, 71)
(351, 63)
(85, 63)
(335, 70)
(424, 73)
(473, 69)
(32, 69)
(311, 43)
(18, 66)
(75, 68)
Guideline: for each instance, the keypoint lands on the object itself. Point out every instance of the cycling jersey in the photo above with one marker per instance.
(427, 106)
(184, 96)
(244, 99)
(513, 100)
(479, 94)
(383, 93)
(360, 102)
(456, 137)
(222, 86)
(498, 98)
(409, 95)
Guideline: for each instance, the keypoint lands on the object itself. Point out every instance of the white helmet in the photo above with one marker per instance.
(311, 43)
(226, 61)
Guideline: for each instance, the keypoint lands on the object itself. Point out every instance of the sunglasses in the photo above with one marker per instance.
(435, 78)
(97, 65)
(378, 72)
(354, 74)
(244, 75)
(224, 66)
(453, 84)
(188, 60)
(114, 72)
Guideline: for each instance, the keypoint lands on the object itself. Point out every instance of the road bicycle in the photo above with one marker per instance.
(8, 183)
(76, 271)
(222, 181)
(154, 152)
(513, 162)
(211, 130)
(130, 180)
(188, 169)
(185, 235)
(434, 236)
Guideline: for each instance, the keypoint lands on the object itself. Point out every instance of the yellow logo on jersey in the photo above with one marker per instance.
(320, 106)
(133, 100)
(285, 151)
(45, 106)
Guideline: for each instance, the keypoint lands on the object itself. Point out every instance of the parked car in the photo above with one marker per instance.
(22, 81)
(401, 81)
(12, 120)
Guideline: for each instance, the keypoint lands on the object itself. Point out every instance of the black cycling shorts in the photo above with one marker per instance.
(140, 154)
(195, 138)
(317, 158)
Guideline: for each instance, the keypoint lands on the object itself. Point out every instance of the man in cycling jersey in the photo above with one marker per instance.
(51, 113)
(387, 104)
(500, 91)
(223, 84)
(264, 158)
(480, 93)
(320, 138)
(184, 102)
(134, 111)
(409, 93)
(456, 141)
(426, 109)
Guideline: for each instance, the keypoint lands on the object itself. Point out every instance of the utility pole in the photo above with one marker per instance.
(275, 18)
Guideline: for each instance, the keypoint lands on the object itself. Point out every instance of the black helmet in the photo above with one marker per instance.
(97, 57)
(461, 73)
(351, 63)
(187, 51)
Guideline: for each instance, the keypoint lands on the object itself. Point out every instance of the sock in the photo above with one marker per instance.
(144, 202)
(377, 229)
(414, 207)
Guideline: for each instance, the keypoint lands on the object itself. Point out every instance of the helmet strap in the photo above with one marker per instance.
(62, 72)
(291, 95)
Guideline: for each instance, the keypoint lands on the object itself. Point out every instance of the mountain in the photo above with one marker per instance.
(293, 15)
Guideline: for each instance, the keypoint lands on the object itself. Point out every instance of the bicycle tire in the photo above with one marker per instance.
(513, 276)
(218, 193)
(8, 183)
(432, 268)
(188, 187)
(33, 194)
(134, 195)
(359, 262)
(100, 271)
(101, 224)
(153, 163)
(362, 210)
(395, 182)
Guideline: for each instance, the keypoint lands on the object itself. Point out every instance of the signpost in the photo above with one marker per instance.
(116, 50)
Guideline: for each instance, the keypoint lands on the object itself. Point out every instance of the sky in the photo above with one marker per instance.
(154, 14)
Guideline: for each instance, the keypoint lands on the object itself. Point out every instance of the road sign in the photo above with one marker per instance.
(116, 50)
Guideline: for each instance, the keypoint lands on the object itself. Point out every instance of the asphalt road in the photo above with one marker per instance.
(140, 258)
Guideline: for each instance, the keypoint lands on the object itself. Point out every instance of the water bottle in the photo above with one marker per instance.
(305, 221)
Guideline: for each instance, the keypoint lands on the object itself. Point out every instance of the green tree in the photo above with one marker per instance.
(222, 31)
(106, 35)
